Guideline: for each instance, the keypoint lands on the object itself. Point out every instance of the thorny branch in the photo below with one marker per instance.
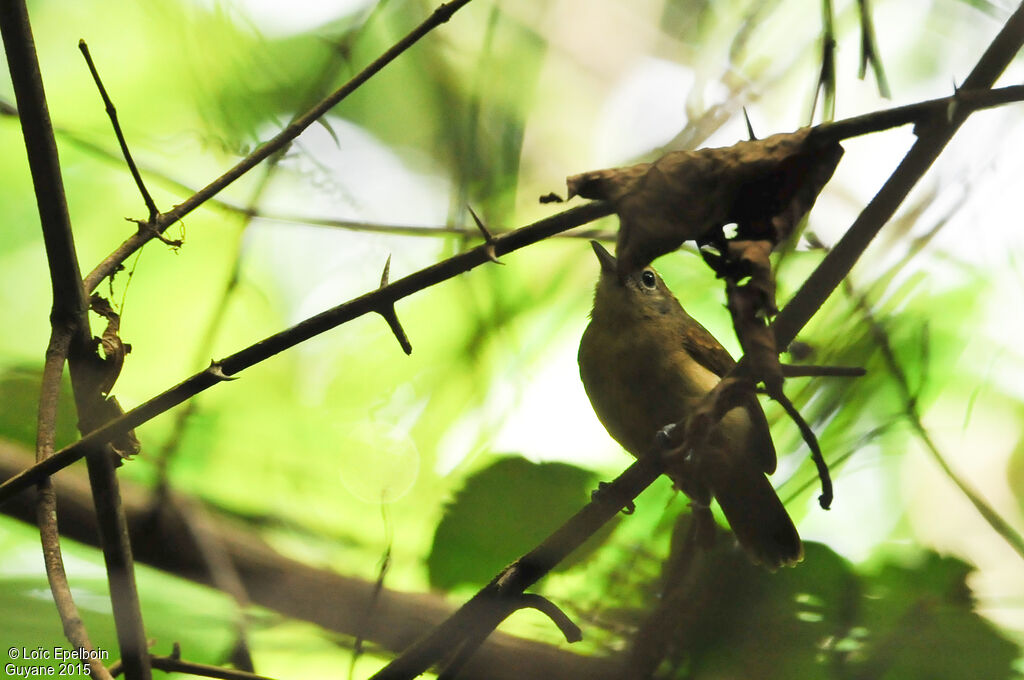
(222, 370)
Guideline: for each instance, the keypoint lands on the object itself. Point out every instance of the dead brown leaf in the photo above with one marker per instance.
(764, 186)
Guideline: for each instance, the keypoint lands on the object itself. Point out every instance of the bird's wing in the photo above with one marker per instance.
(705, 349)
(710, 354)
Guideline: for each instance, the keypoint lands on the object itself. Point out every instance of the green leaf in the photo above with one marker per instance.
(921, 625)
(502, 512)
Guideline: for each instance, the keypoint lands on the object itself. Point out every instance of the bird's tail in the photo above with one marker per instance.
(756, 515)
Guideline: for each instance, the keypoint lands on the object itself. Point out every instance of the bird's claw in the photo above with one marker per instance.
(664, 436)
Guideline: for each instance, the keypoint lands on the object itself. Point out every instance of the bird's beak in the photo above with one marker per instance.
(606, 259)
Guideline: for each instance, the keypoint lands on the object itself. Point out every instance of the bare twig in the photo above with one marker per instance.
(827, 77)
(964, 100)
(369, 302)
(825, 499)
(545, 606)
(110, 264)
(112, 113)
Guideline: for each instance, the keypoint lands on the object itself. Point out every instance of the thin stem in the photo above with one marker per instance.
(46, 502)
(826, 84)
(998, 524)
(111, 263)
(112, 114)
(869, 54)
(918, 113)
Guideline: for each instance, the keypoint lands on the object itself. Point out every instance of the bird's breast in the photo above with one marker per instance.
(637, 386)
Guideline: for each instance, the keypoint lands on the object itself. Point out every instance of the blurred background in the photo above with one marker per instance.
(433, 471)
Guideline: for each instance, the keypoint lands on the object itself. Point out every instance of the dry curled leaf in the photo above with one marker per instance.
(102, 375)
(114, 350)
(764, 186)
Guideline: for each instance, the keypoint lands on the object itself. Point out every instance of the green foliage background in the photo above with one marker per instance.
(493, 110)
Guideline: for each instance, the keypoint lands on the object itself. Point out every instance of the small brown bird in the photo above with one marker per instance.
(645, 364)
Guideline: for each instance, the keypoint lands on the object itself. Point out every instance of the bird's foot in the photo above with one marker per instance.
(664, 436)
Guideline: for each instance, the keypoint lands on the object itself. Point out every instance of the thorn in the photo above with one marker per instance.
(176, 651)
(750, 128)
(149, 226)
(488, 237)
(545, 606)
(387, 271)
(954, 103)
(388, 312)
(217, 371)
(396, 326)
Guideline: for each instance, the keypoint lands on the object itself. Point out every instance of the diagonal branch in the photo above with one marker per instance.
(268, 347)
(485, 610)
(109, 265)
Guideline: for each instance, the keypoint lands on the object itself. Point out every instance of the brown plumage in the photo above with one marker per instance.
(645, 363)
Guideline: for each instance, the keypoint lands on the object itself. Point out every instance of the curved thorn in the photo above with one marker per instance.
(216, 370)
(545, 606)
(396, 327)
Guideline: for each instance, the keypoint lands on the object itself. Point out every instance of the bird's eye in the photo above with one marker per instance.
(648, 279)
